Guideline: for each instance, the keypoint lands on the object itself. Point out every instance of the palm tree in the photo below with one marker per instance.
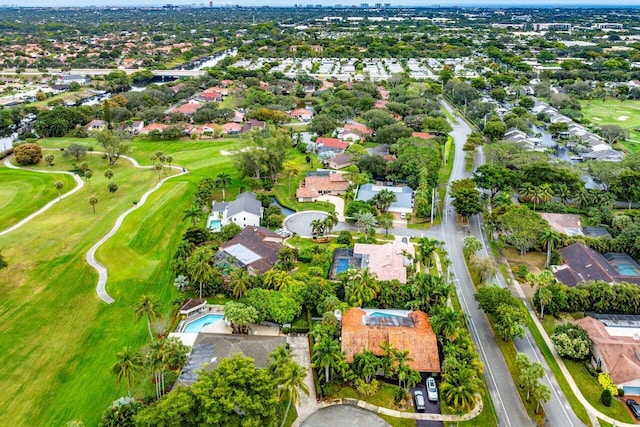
(362, 287)
(129, 364)
(194, 213)
(159, 167)
(330, 221)
(564, 192)
(327, 355)
(399, 365)
(223, 181)
(459, 388)
(541, 194)
(169, 160)
(199, 267)
(157, 360)
(93, 201)
(291, 382)
(108, 174)
(549, 238)
(88, 175)
(148, 308)
(426, 247)
(526, 191)
(446, 323)
(365, 220)
(366, 364)
(59, 186)
(279, 359)
(386, 222)
(240, 282)
(317, 227)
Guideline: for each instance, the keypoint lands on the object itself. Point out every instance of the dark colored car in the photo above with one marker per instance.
(418, 396)
(635, 408)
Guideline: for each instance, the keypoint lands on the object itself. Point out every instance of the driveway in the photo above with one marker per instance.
(300, 223)
(431, 408)
(336, 201)
(344, 415)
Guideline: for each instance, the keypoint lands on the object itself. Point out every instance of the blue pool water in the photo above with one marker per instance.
(343, 264)
(195, 326)
(215, 225)
(378, 314)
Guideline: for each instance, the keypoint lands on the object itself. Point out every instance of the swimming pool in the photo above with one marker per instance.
(196, 326)
(215, 225)
(342, 265)
(378, 314)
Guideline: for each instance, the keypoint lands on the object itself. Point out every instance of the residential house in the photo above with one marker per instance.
(316, 48)
(358, 128)
(67, 79)
(404, 196)
(209, 96)
(238, 116)
(135, 127)
(331, 144)
(153, 127)
(188, 109)
(245, 210)
(254, 249)
(386, 262)
(615, 347)
(423, 135)
(583, 264)
(192, 306)
(321, 183)
(302, 114)
(250, 125)
(209, 349)
(403, 330)
(96, 125)
(340, 161)
(567, 224)
(231, 128)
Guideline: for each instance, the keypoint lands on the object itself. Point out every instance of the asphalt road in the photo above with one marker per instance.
(501, 386)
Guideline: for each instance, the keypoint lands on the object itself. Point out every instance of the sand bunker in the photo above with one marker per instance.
(597, 118)
(622, 118)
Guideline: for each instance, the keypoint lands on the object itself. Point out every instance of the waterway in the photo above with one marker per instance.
(285, 211)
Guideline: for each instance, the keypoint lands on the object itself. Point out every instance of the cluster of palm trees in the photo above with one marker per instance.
(360, 286)
(536, 194)
(290, 377)
(321, 227)
(582, 198)
(162, 355)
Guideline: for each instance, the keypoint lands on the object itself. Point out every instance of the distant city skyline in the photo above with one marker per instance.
(284, 3)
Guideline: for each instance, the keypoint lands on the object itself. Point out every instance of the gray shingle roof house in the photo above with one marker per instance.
(245, 210)
(210, 349)
(254, 248)
(404, 195)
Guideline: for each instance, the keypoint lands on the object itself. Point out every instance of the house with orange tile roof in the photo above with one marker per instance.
(333, 144)
(321, 183)
(231, 128)
(386, 262)
(615, 348)
(423, 135)
(153, 127)
(302, 114)
(371, 329)
(188, 109)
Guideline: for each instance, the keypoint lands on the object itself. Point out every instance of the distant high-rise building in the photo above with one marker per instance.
(364, 5)
(378, 5)
(210, 4)
(387, 5)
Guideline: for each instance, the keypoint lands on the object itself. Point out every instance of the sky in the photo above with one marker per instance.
(512, 3)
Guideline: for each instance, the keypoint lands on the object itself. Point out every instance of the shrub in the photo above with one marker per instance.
(572, 341)
(607, 384)
(344, 238)
(606, 397)
(196, 235)
(620, 392)
(27, 154)
(366, 389)
(521, 271)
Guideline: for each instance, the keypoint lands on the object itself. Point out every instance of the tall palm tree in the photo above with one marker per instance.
(194, 214)
(291, 382)
(330, 221)
(459, 387)
(365, 221)
(399, 365)
(223, 181)
(148, 308)
(199, 267)
(362, 287)
(549, 239)
(426, 247)
(279, 359)
(541, 194)
(157, 361)
(240, 282)
(526, 191)
(564, 192)
(366, 364)
(446, 323)
(327, 355)
(128, 366)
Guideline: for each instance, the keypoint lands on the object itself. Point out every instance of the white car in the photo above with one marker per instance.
(432, 390)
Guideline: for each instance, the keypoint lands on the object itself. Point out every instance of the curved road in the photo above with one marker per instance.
(79, 181)
(503, 391)
(90, 257)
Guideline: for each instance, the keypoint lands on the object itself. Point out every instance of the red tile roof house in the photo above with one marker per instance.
(321, 183)
(423, 135)
(187, 109)
(238, 116)
(358, 127)
(254, 249)
(617, 355)
(153, 127)
(302, 114)
(413, 332)
(231, 128)
(386, 262)
(215, 89)
(334, 144)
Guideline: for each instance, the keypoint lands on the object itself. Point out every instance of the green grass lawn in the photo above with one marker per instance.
(23, 193)
(616, 112)
(57, 340)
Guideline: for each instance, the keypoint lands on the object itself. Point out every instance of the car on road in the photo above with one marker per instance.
(635, 408)
(432, 390)
(418, 396)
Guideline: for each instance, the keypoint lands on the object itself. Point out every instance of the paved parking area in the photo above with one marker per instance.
(344, 415)
(300, 223)
(431, 408)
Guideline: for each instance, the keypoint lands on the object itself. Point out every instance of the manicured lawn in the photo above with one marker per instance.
(589, 385)
(616, 112)
(22, 193)
(57, 340)
(383, 397)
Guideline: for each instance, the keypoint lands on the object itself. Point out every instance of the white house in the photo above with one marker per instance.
(245, 210)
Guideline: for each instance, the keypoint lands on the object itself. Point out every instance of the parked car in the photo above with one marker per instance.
(432, 390)
(635, 408)
(418, 396)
